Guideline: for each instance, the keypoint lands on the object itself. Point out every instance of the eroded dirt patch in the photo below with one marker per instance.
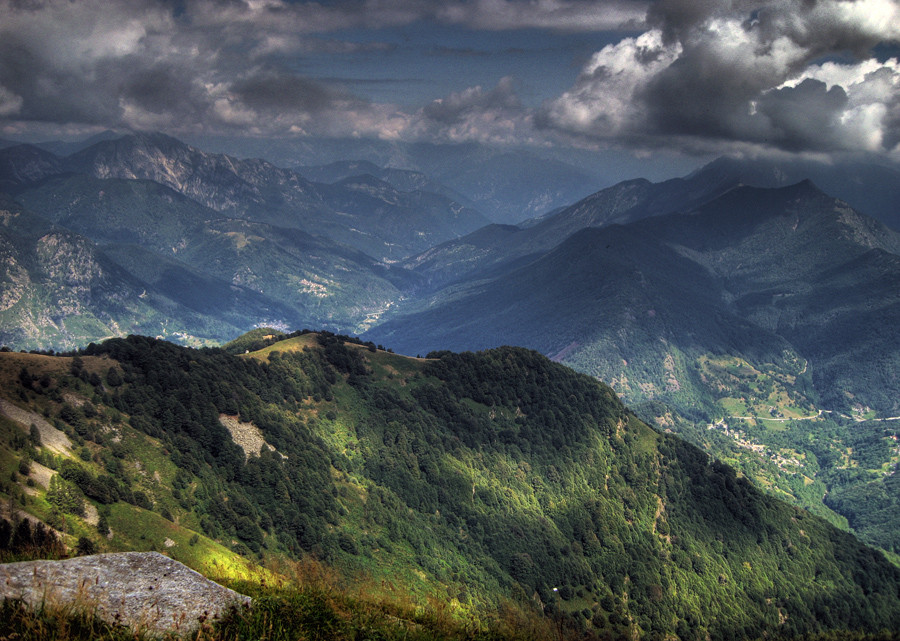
(246, 435)
(51, 437)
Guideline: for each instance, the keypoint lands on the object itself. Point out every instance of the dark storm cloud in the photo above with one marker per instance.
(719, 74)
(699, 74)
(276, 92)
(213, 65)
(676, 18)
(815, 25)
(806, 116)
(82, 62)
(47, 92)
(153, 65)
(159, 89)
(892, 127)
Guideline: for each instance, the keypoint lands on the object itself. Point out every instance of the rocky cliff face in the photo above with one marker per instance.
(220, 182)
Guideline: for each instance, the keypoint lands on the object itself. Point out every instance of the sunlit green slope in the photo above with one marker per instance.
(473, 479)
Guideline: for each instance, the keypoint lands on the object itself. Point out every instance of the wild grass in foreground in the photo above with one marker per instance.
(309, 602)
(319, 613)
(279, 615)
(313, 602)
(18, 622)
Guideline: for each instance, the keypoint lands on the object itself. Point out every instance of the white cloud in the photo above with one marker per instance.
(871, 79)
(603, 103)
(475, 114)
(873, 93)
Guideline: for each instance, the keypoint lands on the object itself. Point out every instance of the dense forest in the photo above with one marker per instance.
(475, 478)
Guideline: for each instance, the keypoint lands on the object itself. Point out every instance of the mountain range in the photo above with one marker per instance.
(774, 275)
(507, 184)
(757, 325)
(743, 309)
(237, 226)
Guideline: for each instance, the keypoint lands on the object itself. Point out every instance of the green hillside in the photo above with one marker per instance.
(756, 326)
(473, 480)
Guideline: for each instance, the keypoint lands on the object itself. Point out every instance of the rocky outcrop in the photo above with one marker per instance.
(141, 590)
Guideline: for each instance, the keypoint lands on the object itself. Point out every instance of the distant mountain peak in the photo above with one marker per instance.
(870, 187)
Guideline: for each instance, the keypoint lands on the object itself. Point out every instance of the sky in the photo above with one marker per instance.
(816, 78)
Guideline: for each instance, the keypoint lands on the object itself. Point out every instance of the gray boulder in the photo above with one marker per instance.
(145, 591)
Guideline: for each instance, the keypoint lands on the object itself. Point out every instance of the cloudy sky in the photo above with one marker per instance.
(813, 77)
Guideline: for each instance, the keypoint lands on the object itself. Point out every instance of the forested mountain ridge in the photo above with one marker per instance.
(869, 189)
(58, 287)
(395, 224)
(305, 277)
(471, 477)
(26, 164)
(754, 325)
(403, 179)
